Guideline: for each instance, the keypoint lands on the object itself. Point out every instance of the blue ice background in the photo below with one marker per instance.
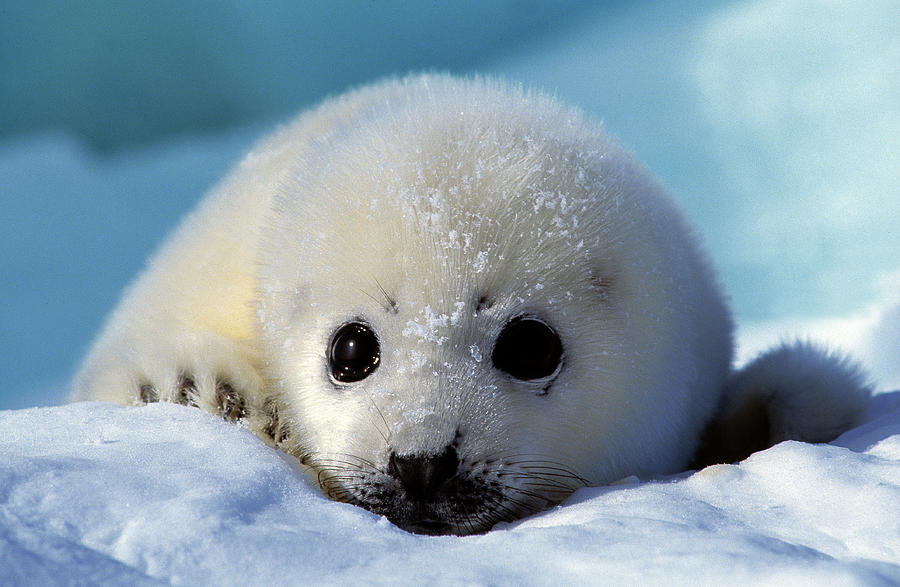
(776, 124)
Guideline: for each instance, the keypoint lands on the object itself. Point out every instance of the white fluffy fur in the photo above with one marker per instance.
(403, 204)
(809, 393)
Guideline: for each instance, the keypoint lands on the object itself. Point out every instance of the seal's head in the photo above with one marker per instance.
(474, 302)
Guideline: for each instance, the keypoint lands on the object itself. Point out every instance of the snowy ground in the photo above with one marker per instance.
(97, 494)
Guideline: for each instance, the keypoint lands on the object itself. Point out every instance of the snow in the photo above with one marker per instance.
(870, 335)
(774, 122)
(101, 494)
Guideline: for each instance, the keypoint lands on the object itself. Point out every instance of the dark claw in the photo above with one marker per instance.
(187, 391)
(230, 402)
(148, 393)
(273, 424)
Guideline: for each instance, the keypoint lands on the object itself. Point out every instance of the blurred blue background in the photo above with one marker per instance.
(775, 123)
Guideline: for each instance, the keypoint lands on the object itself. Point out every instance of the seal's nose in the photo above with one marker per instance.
(422, 476)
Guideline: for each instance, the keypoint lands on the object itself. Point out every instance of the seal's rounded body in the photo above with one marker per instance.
(454, 300)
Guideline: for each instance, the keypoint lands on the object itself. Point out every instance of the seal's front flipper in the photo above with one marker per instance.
(794, 392)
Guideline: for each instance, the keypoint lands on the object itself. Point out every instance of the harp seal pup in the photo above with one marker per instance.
(456, 301)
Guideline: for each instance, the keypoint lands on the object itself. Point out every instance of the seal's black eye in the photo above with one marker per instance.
(354, 352)
(527, 349)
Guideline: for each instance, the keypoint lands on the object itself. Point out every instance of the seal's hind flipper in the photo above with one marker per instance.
(794, 392)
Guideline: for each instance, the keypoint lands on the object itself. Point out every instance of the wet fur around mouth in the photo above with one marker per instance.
(502, 490)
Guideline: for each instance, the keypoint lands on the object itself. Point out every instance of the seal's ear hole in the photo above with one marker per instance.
(527, 349)
(354, 352)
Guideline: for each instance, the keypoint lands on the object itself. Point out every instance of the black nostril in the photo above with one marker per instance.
(423, 476)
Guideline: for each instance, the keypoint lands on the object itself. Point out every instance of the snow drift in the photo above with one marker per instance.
(95, 493)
